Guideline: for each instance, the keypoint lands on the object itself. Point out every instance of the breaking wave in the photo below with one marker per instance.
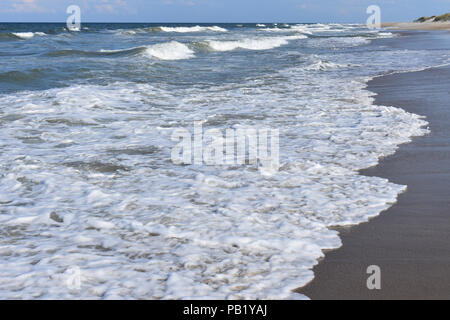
(20, 35)
(170, 51)
(252, 44)
(190, 29)
(164, 51)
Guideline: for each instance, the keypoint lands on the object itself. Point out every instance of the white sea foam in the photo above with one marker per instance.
(253, 44)
(86, 182)
(28, 35)
(324, 65)
(303, 28)
(170, 51)
(338, 42)
(310, 29)
(319, 64)
(285, 30)
(24, 35)
(385, 35)
(193, 29)
(128, 32)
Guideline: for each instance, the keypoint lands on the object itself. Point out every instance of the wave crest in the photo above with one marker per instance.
(252, 44)
(164, 51)
(190, 29)
(170, 51)
(21, 35)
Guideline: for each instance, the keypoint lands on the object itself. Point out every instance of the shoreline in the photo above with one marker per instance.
(409, 241)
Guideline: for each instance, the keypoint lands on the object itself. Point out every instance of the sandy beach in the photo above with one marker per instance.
(416, 25)
(410, 242)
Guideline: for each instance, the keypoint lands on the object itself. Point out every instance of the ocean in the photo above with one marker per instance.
(91, 203)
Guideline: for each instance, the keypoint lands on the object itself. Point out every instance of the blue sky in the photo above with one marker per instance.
(218, 10)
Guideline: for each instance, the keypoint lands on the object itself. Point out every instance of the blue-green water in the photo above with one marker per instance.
(43, 56)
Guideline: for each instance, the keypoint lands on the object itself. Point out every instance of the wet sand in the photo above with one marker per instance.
(410, 242)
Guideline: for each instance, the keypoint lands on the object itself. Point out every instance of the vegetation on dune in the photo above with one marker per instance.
(441, 18)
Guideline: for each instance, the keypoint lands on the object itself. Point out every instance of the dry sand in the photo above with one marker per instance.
(416, 25)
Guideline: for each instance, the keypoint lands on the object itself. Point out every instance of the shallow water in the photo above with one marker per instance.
(87, 185)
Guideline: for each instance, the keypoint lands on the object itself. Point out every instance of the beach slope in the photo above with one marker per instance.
(410, 242)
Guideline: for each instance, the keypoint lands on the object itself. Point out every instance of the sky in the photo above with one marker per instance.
(340, 11)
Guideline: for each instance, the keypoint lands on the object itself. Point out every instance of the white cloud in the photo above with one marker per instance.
(25, 6)
(109, 6)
